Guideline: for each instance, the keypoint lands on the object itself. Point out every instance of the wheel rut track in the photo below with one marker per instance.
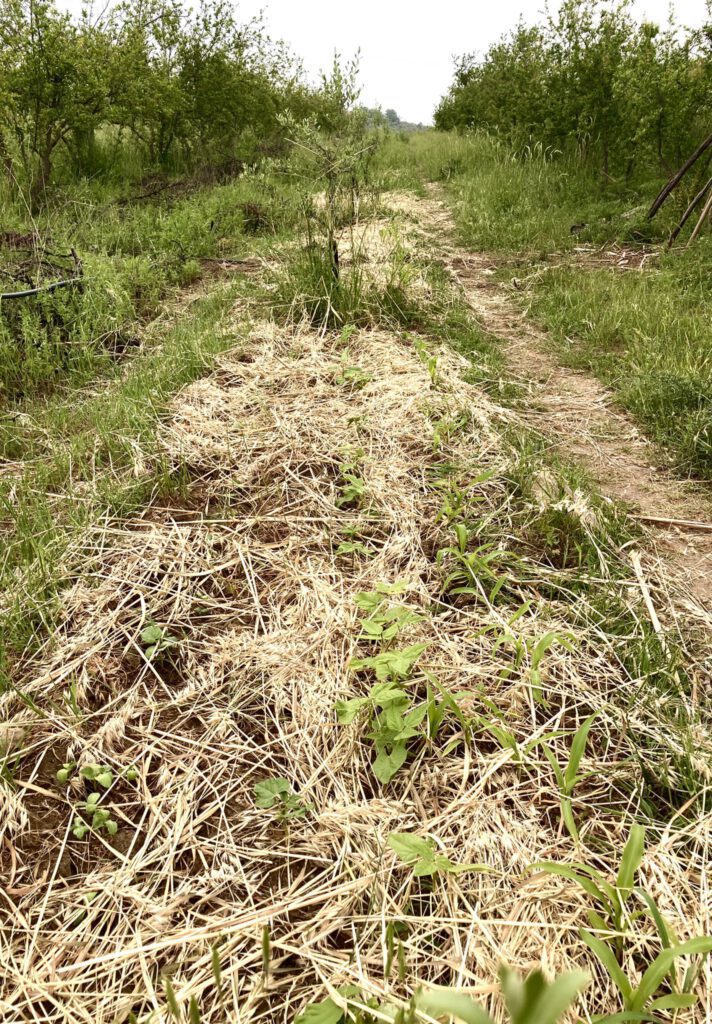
(579, 417)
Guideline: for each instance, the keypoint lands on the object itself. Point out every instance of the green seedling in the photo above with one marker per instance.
(569, 777)
(525, 650)
(384, 625)
(390, 664)
(276, 795)
(428, 358)
(351, 486)
(70, 699)
(156, 640)
(611, 920)
(447, 427)
(327, 1011)
(391, 721)
(370, 600)
(100, 818)
(611, 915)
(353, 547)
(472, 569)
(354, 377)
(421, 855)
(65, 772)
(101, 774)
(346, 334)
(77, 916)
(532, 1000)
(497, 728)
(537, 656)
(457, 500)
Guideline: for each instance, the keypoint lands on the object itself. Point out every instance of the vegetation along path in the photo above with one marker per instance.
(339, 718)
(577, 414)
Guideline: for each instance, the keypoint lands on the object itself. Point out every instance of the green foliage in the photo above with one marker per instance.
(532, 1000)
(99, 818)
(185, 86)
(421, 854)
(610, 917)
(590, 80)
(276, 795)
(391, 720)
(101, 774)
(156, 640)
(569, 777)
(612, 920)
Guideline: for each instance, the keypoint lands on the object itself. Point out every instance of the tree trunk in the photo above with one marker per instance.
(41, 181)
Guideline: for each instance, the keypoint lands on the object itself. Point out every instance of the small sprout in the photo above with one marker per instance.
(347, 332)
(276, 794)
(65, 772)
(97, 773)
(352, 488)
(100, 818)
(353, 547)
(156, 640)
(80, 828)
(421, 855)
(354, 377)
(131, 774)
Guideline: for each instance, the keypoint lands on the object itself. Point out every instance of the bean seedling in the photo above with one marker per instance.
(156, 640)
(276, 795)
(422, 856)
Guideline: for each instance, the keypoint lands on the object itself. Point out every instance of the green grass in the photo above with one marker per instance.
(134, 255)
(648, 334)
(80, 461)
(649, 337)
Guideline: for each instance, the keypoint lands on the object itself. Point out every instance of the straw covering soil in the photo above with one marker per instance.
(247, 581)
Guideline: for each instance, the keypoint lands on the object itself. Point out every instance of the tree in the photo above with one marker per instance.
(54, 78)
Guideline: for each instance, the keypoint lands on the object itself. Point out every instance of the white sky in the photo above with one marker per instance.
(407, 46)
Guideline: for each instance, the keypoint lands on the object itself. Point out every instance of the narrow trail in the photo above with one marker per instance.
(578, 414)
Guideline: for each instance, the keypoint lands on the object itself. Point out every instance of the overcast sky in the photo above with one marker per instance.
(407, 46)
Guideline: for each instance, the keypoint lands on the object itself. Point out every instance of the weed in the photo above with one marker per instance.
(569, 777)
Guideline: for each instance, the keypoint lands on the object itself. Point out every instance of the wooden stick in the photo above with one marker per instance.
(677, 178)
(701, 221)
(690, 209)
(685, 524)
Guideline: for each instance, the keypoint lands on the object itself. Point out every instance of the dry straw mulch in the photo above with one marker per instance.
(245, 575)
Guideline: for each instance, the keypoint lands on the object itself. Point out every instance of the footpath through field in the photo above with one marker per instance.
(576, 412)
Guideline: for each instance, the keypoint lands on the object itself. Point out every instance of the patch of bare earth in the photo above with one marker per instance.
(576, 412)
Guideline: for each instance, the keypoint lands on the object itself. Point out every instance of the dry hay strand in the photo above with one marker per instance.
(245, 577)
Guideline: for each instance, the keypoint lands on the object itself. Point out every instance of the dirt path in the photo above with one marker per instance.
(577, 412)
